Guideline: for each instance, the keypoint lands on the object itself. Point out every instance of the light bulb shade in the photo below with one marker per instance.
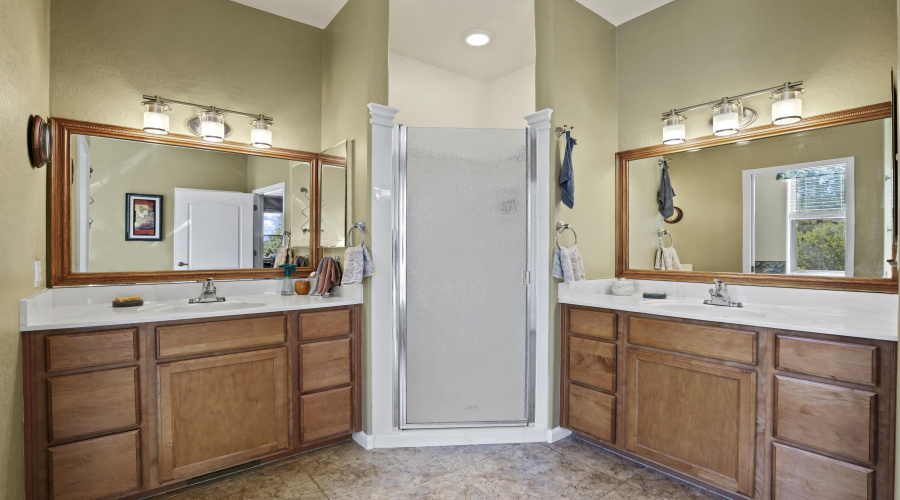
(788, 106)
(726, 118)
(260, 135)
(674, 131)
(156, 121)
(212, 126)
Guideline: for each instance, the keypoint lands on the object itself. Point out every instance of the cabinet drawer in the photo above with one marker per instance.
(81, 350)
(601, 325)
(592, 363)
(85, 403)
(325, 414)
(826, 417)
(853, 363)
(96, 468)
(318, 325)
(592, 413)
(197, 338)
(712, 342)
(324, 364)
(800, 474)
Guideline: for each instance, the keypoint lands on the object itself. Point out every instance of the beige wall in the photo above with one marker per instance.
(105, 54)
(708, 187)
(429, 96)
(576, 77)
(355, 73)
(24, 90)
(683, 54)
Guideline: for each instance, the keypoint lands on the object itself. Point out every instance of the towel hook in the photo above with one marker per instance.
(562, 226)
(661, 233)
(361, 225)
(664, 160)
(562, 130)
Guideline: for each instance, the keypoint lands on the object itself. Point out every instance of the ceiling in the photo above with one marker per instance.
(620, 11)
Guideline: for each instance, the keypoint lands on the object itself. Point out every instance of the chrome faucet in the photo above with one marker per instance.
(208, 294)
(719, 296)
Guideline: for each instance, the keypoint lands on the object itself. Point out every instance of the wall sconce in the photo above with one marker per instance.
(674, 131)
(156, 121)
(730, 115)
(212, 125)
(260, 135)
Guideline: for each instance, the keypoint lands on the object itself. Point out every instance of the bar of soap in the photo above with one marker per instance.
(128, 301)
(648, 295)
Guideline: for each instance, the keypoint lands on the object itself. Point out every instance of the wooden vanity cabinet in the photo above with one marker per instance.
(137, 410)
(747, 412)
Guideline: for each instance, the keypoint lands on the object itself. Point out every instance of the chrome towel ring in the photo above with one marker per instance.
(661, 233)
(361, 225)
(562, 226)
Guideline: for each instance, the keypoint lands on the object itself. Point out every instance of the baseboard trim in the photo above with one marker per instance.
(557, 433)
(364, 440)
(464, 436)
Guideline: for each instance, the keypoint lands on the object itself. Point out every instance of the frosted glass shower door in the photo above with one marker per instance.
(464, 351)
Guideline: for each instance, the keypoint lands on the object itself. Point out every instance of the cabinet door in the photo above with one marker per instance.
(221, 411)
(798, 474)
(693, 416)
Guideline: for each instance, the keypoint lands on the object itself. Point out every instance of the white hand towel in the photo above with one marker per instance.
(567, 264)
(357, 265)
(667, 260)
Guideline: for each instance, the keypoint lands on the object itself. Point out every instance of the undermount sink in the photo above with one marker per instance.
(209, 307)
(721, 311)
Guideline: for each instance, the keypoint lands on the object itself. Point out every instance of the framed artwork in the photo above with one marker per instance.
(143, 217)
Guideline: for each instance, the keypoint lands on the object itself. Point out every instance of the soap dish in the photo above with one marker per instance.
(648, 295)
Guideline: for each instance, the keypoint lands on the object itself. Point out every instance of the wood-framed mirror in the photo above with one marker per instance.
(128, 206)
(806, 205)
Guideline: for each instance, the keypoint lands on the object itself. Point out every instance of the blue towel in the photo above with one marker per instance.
(567, 176)
(665, 195)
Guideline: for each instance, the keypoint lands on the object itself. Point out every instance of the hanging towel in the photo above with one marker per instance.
(302, 261)
(329, 276)
(357, 265)
(667, 260)
(567, 264)
(664, 198)
(567, 176)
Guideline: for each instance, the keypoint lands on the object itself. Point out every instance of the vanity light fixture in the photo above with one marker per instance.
(209, 124)
(478, 38)
(730, 115)
(260, 135)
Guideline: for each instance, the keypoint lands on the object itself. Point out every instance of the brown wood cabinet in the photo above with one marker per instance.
(135, 410)
(747, 412)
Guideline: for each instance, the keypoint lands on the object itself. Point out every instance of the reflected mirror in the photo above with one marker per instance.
(333, 205)
(814, 203)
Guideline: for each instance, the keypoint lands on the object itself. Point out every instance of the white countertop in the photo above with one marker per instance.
(848, 314)
(92, 306)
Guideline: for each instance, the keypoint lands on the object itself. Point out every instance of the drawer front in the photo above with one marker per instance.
(84, 403)
(826, 417)
(316, 325)
(592, 413)
(325, 414)
(96, 468)
(592, 363)
(198, 338)
(712, 342)
(852, 363)
(82, 350)
(798, 474)
(599, 324)
(324, 364)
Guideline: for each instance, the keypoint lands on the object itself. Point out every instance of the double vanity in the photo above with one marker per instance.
(761, 401)
(128, 402)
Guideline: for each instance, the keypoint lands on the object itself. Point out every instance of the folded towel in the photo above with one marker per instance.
(357, 265)
(664, 201)
(329, 277)
(567, 174)
(567, 264)
(667, 260)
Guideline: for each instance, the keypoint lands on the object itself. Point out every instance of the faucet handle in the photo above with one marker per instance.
(720, 286)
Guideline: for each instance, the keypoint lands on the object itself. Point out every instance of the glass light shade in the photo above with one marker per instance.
(156, 121)
(674, 131)
(212, 126)
(726, 118)
(788, 107)
(260, 135)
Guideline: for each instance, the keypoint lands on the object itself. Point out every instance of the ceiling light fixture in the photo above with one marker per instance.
(478, 38)
(209, 124)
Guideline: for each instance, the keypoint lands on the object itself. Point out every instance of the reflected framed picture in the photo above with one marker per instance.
(143, 217)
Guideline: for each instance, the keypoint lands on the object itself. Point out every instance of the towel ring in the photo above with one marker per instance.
(562, 226)
(361, 225)
(661, 233)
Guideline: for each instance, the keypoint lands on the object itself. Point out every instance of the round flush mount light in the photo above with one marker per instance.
(478, 38)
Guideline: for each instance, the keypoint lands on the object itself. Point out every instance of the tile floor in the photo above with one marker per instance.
(570, 468)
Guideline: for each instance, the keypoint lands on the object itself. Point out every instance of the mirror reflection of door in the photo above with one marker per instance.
(268, 224)
(213, 229)
(333, 206)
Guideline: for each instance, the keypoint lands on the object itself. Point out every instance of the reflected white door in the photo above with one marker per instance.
(213, 229)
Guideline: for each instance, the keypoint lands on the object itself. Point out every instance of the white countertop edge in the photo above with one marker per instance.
(628, 304)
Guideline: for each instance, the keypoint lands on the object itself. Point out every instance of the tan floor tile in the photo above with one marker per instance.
(627, 491)
(280, 482)
(449, 487)
(666, 487)
(616, 466)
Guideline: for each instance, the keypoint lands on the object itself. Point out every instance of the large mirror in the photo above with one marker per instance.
(135, 207)
(808, 205)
